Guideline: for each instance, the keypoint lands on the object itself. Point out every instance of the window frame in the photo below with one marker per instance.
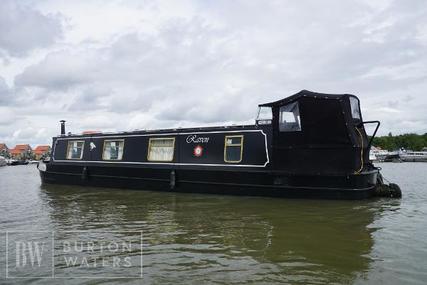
(68, 149)
(355, 108)
(160, 138)
(112, 140)
(260, 119)
(282, 126)
(241, 148)
(261, 114)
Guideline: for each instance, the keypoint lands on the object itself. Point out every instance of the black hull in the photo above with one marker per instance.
(19, 162)
(393, 158)
(243, 183)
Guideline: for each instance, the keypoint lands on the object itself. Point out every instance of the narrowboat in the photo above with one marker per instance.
(309, 145)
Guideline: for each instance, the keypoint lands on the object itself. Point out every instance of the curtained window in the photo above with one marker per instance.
(75, 149)
(161, 149)
(113, 150)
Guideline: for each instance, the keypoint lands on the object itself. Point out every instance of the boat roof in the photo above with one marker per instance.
(305, 93)
(163, 131)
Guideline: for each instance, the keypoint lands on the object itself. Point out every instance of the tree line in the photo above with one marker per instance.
(407, 141)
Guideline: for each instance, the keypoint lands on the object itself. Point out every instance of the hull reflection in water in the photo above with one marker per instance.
(202, 238)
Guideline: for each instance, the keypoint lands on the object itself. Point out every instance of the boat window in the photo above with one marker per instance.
(265, 115)
(113, 150)
(161, 149)
(233, 149)
(289, 120)
(75, 149)
(355, 110)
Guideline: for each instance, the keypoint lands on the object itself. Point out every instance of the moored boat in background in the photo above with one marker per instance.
(393, 156)
(377, 154)
(3, 161)
(14, 162)
(413, 156)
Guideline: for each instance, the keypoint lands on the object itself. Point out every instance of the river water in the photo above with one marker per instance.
(198, 239)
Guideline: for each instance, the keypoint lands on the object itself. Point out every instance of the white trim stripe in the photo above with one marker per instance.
(156, 134)
(163, 163)
(167, 163)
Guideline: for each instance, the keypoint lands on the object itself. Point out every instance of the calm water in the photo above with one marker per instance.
(197, 239)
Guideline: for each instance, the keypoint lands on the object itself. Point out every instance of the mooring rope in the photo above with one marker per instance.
(386, 179)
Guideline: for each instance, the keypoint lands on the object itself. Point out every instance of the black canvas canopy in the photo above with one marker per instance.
(302, 94)
(324, 135)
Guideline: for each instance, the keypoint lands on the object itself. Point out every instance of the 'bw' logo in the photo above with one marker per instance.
(30, 253)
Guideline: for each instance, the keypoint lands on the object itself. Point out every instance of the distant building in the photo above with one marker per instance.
(41, 151)
(21, 151)
(4, 150)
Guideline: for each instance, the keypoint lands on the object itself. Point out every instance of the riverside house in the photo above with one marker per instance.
(4, 150)
(21, 151)
(41, 151)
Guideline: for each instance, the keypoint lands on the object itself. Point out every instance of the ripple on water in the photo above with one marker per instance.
(197, 239)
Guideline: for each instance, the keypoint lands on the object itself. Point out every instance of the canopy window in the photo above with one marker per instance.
(289, 120)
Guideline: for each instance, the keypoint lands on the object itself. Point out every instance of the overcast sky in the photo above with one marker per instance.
(125, 65)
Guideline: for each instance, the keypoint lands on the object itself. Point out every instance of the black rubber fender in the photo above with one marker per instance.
(395, 191)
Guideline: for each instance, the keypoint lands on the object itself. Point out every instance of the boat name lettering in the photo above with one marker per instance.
(196, 139)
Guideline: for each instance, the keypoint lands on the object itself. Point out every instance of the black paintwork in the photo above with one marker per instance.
(328, 158)
(136, 145)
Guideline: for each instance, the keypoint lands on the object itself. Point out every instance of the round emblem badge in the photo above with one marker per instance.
(198, 151)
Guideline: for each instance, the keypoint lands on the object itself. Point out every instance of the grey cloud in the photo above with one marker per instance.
(4, 89)
(59, 70)
(5, 93)
(136, 69)
(89, 98)
(23, 28)
(218, 65)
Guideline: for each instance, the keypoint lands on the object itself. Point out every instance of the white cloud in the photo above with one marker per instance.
(160, 64)
(23, 28)
(59, 70)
